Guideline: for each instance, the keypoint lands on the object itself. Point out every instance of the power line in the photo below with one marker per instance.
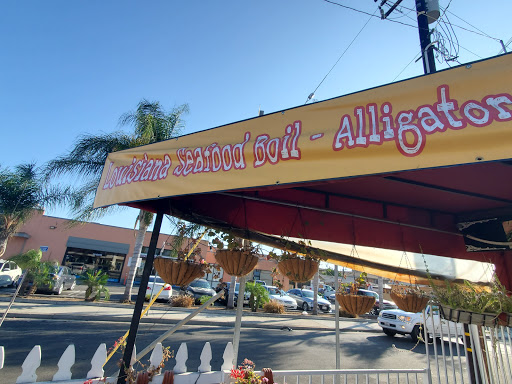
(410, 62)
(367, 13)
(337, 61)
(471, 25)
(480, 32)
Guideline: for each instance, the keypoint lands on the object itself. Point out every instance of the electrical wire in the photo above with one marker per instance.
(410, 62)
(471, 25)
(477, 32)
(339, 58)
(366, 13)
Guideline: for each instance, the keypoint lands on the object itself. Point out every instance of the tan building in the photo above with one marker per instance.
(105, 247)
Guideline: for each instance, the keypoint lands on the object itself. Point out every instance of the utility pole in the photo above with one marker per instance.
(427, 49)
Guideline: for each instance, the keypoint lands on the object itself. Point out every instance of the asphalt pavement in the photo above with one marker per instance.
(52, 307)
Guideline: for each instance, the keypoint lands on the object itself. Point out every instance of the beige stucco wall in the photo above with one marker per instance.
(53, 232)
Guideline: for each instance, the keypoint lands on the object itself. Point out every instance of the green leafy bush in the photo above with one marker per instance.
(203, 299)
(259, 295)
(96, 282)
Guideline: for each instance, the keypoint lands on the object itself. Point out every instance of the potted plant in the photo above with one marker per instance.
(235, 258)
(245, 374)
(180, 271)
(299, 265)
(409, 298)
(468, 303)
(349, 299)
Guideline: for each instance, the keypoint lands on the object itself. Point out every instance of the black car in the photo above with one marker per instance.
(200, 287)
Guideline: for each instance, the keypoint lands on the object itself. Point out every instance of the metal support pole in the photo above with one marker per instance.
(238, 321)
(337, 320)
(381, 293)
(427, 50)
(137, 311)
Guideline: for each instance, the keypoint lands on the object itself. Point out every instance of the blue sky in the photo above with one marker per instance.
(74, 67)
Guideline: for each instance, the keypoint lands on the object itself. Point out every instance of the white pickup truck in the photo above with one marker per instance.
(395, 321)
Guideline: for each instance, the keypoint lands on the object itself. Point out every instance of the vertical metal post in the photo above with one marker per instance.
(137, 311)
(381, 293)
(470, 360)
(238, 321)
(427, 50)
(337, 321)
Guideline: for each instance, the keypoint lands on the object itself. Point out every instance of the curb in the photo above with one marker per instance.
(228, 324)
(246, 322)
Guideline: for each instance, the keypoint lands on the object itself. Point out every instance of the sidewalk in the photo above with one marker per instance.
(215, 316)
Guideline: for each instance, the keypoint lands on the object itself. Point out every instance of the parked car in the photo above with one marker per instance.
(62, 279)
(305, 299)
(407, 323)
(226, 286)
(326, 291)
(154, 285)
(9, 273)
(281, 297)
(386, 304)
(200, 287)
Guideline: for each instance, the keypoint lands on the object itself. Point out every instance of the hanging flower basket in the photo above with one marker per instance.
(409, 301)
(297, 269)
(461, 316)
(178, 272)
(355, 304)
(236, 262)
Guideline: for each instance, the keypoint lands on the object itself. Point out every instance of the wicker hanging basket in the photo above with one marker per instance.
(178, 272)
(298, 270)
(467, 317)
(409, 301)
(355, 304)
(236, 263)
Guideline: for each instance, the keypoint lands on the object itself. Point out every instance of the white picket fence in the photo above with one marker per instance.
(204, 374)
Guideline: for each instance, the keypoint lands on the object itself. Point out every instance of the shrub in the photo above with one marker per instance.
(96, 282)
(273, 307)
(203, 299)
(259, 295)
(184, 301)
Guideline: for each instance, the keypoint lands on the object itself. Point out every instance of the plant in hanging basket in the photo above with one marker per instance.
(468, 303)
(178, 272)
(352, 302)
(299, 266)
(409, 298)
(235, 258)
(236, 262)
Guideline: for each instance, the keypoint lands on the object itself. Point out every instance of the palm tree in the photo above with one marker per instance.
(23, 192)
(89, 154)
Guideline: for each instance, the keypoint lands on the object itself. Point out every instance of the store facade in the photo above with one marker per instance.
(104, 247)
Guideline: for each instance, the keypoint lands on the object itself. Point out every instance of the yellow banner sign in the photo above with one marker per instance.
(462, 115)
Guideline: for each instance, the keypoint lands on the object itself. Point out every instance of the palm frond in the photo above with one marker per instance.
(88, 156)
